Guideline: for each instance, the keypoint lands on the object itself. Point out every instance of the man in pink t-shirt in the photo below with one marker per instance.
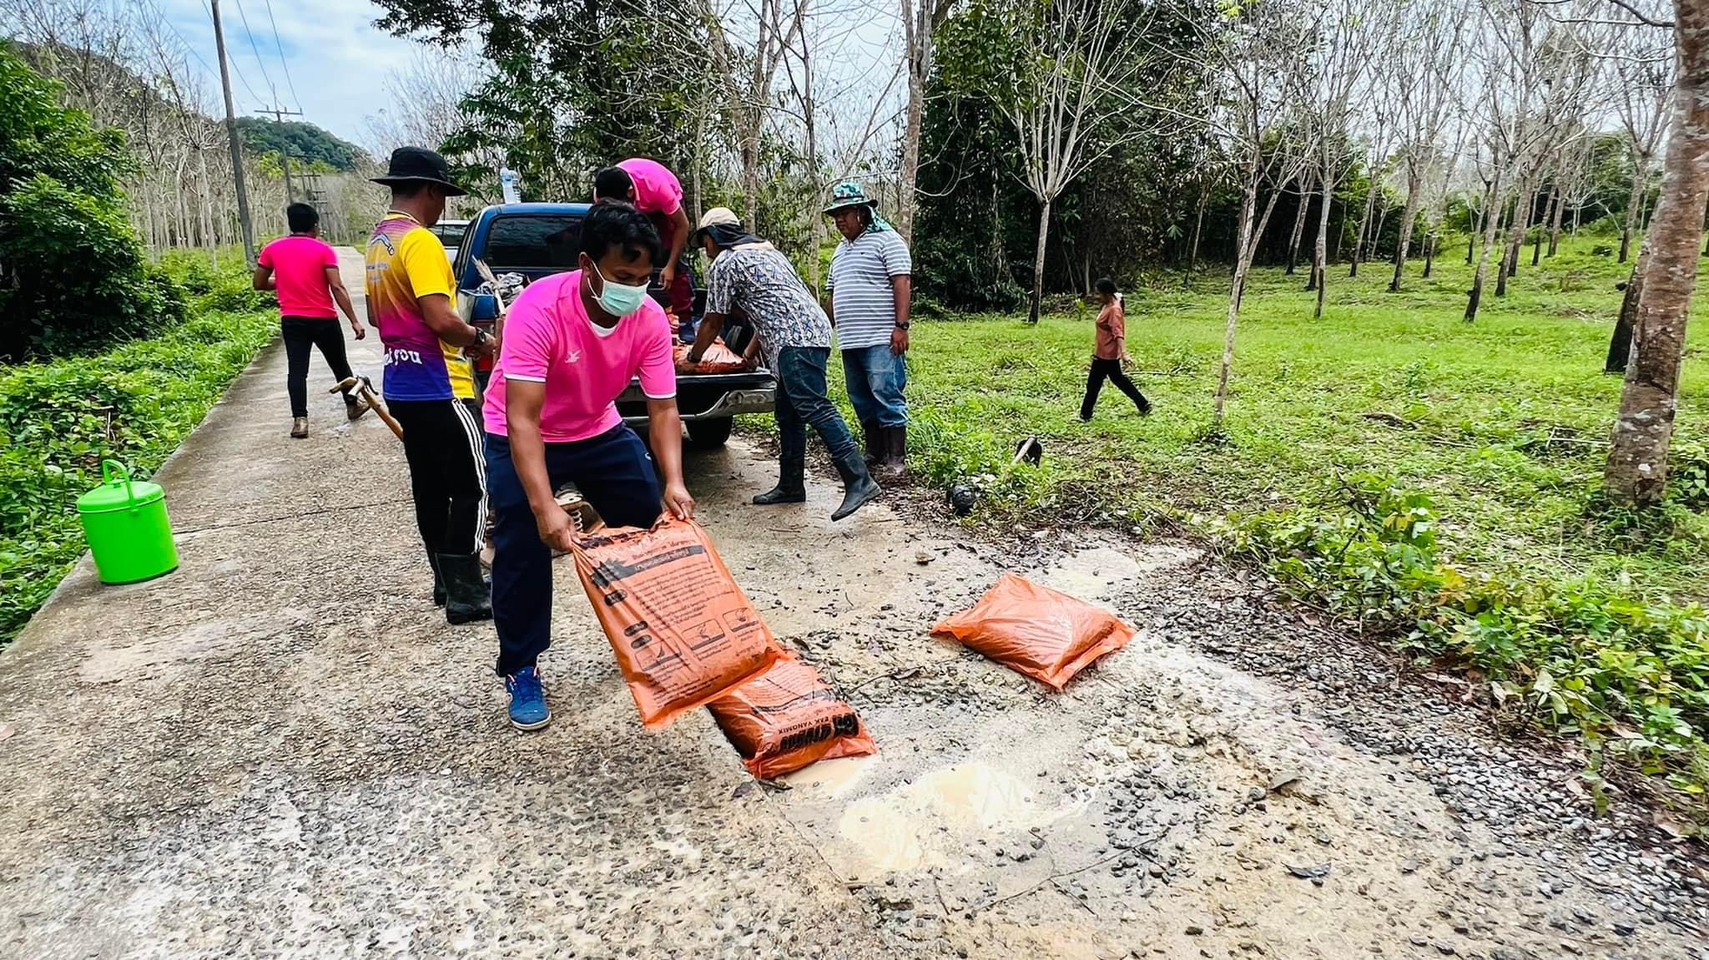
(304, 272)
(656, 192)
(572, 343)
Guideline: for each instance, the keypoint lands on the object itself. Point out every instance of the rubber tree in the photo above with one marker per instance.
(1253, 57)
(1075, 95)
(1423, 69)
(1636, 473)
(920, 21)
(1347, 34)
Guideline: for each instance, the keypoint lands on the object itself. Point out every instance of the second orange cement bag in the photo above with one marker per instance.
(683, 631)
(1034, 630)
(788, 719)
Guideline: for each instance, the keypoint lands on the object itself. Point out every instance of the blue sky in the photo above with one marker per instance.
(338, 60)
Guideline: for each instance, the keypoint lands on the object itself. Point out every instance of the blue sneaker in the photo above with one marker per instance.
(528, 710)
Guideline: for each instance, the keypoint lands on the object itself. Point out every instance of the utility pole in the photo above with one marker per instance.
(236, 150)
(279, 114)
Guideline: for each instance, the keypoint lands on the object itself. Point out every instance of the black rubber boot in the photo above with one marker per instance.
(438, 581)
(468, 596)
(895, 461)
(859, 489)
(791, 485)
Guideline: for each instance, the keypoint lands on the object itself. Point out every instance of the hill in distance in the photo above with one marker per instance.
(299, 141)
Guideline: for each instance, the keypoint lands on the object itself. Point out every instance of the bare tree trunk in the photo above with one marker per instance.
(1634, 203)
(911, 132)
(1430, 241)
(1555, 225)
(1408, 217)
(1320, 252)
(750, 150)
(1502, 261)
(1521, 226)
(1483, 218)
(1364, 226)
(1198, 229)
(1299, 228)
(1377, 232)
(1038, 261)
(1242, 263)
(1637, 463)
(1491, 221)
(1537, 245)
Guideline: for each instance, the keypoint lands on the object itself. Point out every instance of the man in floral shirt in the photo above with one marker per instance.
(750, 275)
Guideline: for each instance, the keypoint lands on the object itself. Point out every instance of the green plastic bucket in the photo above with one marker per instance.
(125, 523)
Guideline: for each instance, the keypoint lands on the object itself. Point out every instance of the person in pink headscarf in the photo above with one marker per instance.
(656, 192)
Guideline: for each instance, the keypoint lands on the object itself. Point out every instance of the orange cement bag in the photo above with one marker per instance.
(683, 632)
(788, 719)
(1034, 630)
(718, 358)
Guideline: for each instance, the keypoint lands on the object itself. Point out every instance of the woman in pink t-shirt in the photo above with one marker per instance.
(572, 342)
(304, 272)
(656, 192)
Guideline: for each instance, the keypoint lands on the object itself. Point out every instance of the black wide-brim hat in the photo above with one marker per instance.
(419, 165)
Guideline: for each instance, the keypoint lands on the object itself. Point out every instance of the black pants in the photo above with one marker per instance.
(447, 472)
(1112, 370)
(299, 333)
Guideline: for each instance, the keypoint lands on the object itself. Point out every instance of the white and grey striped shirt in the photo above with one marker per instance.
(863, 302)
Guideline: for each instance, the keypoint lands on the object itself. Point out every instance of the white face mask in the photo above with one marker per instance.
(618, 299)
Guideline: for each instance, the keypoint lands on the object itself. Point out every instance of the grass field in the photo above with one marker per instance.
(1432, 480)
(1503, 422)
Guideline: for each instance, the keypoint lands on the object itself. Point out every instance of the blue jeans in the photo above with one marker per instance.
(876, 379)
(804, 401)
(614, 473)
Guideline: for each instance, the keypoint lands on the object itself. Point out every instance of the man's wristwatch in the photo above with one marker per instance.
(902, 326)
(481, 338)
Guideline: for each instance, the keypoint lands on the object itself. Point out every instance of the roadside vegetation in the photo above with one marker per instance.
(113, 356)
(134, 403)
(1433, 481)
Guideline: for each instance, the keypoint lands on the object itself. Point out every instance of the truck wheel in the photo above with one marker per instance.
(709, 434)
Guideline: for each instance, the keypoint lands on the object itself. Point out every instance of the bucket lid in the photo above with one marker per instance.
(118, 491)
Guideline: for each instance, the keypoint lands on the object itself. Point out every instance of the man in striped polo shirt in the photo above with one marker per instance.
(870, 290)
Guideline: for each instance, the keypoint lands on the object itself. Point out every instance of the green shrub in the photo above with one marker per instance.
(76, 278)
(1688, 475)
(58, 420)
(1584, 656)
(226, 287)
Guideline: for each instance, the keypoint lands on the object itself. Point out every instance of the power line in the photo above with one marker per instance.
(255, 49)
(233, 65)
(282, 62)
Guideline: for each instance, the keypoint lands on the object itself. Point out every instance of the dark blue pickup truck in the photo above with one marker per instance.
(540, 239)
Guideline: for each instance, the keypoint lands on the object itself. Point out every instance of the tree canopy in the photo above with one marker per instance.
(72, 273)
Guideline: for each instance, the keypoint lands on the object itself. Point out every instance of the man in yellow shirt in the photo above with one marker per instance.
(430, 380)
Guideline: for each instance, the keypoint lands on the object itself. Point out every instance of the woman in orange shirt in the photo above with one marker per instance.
(1111, 353)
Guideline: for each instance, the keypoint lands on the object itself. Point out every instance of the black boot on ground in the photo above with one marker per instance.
(859, 489)
(895, 461)
(438, 581)
(791, 485)
(468, 597)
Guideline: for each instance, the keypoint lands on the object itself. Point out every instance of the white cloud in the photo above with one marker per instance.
(338, 60)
